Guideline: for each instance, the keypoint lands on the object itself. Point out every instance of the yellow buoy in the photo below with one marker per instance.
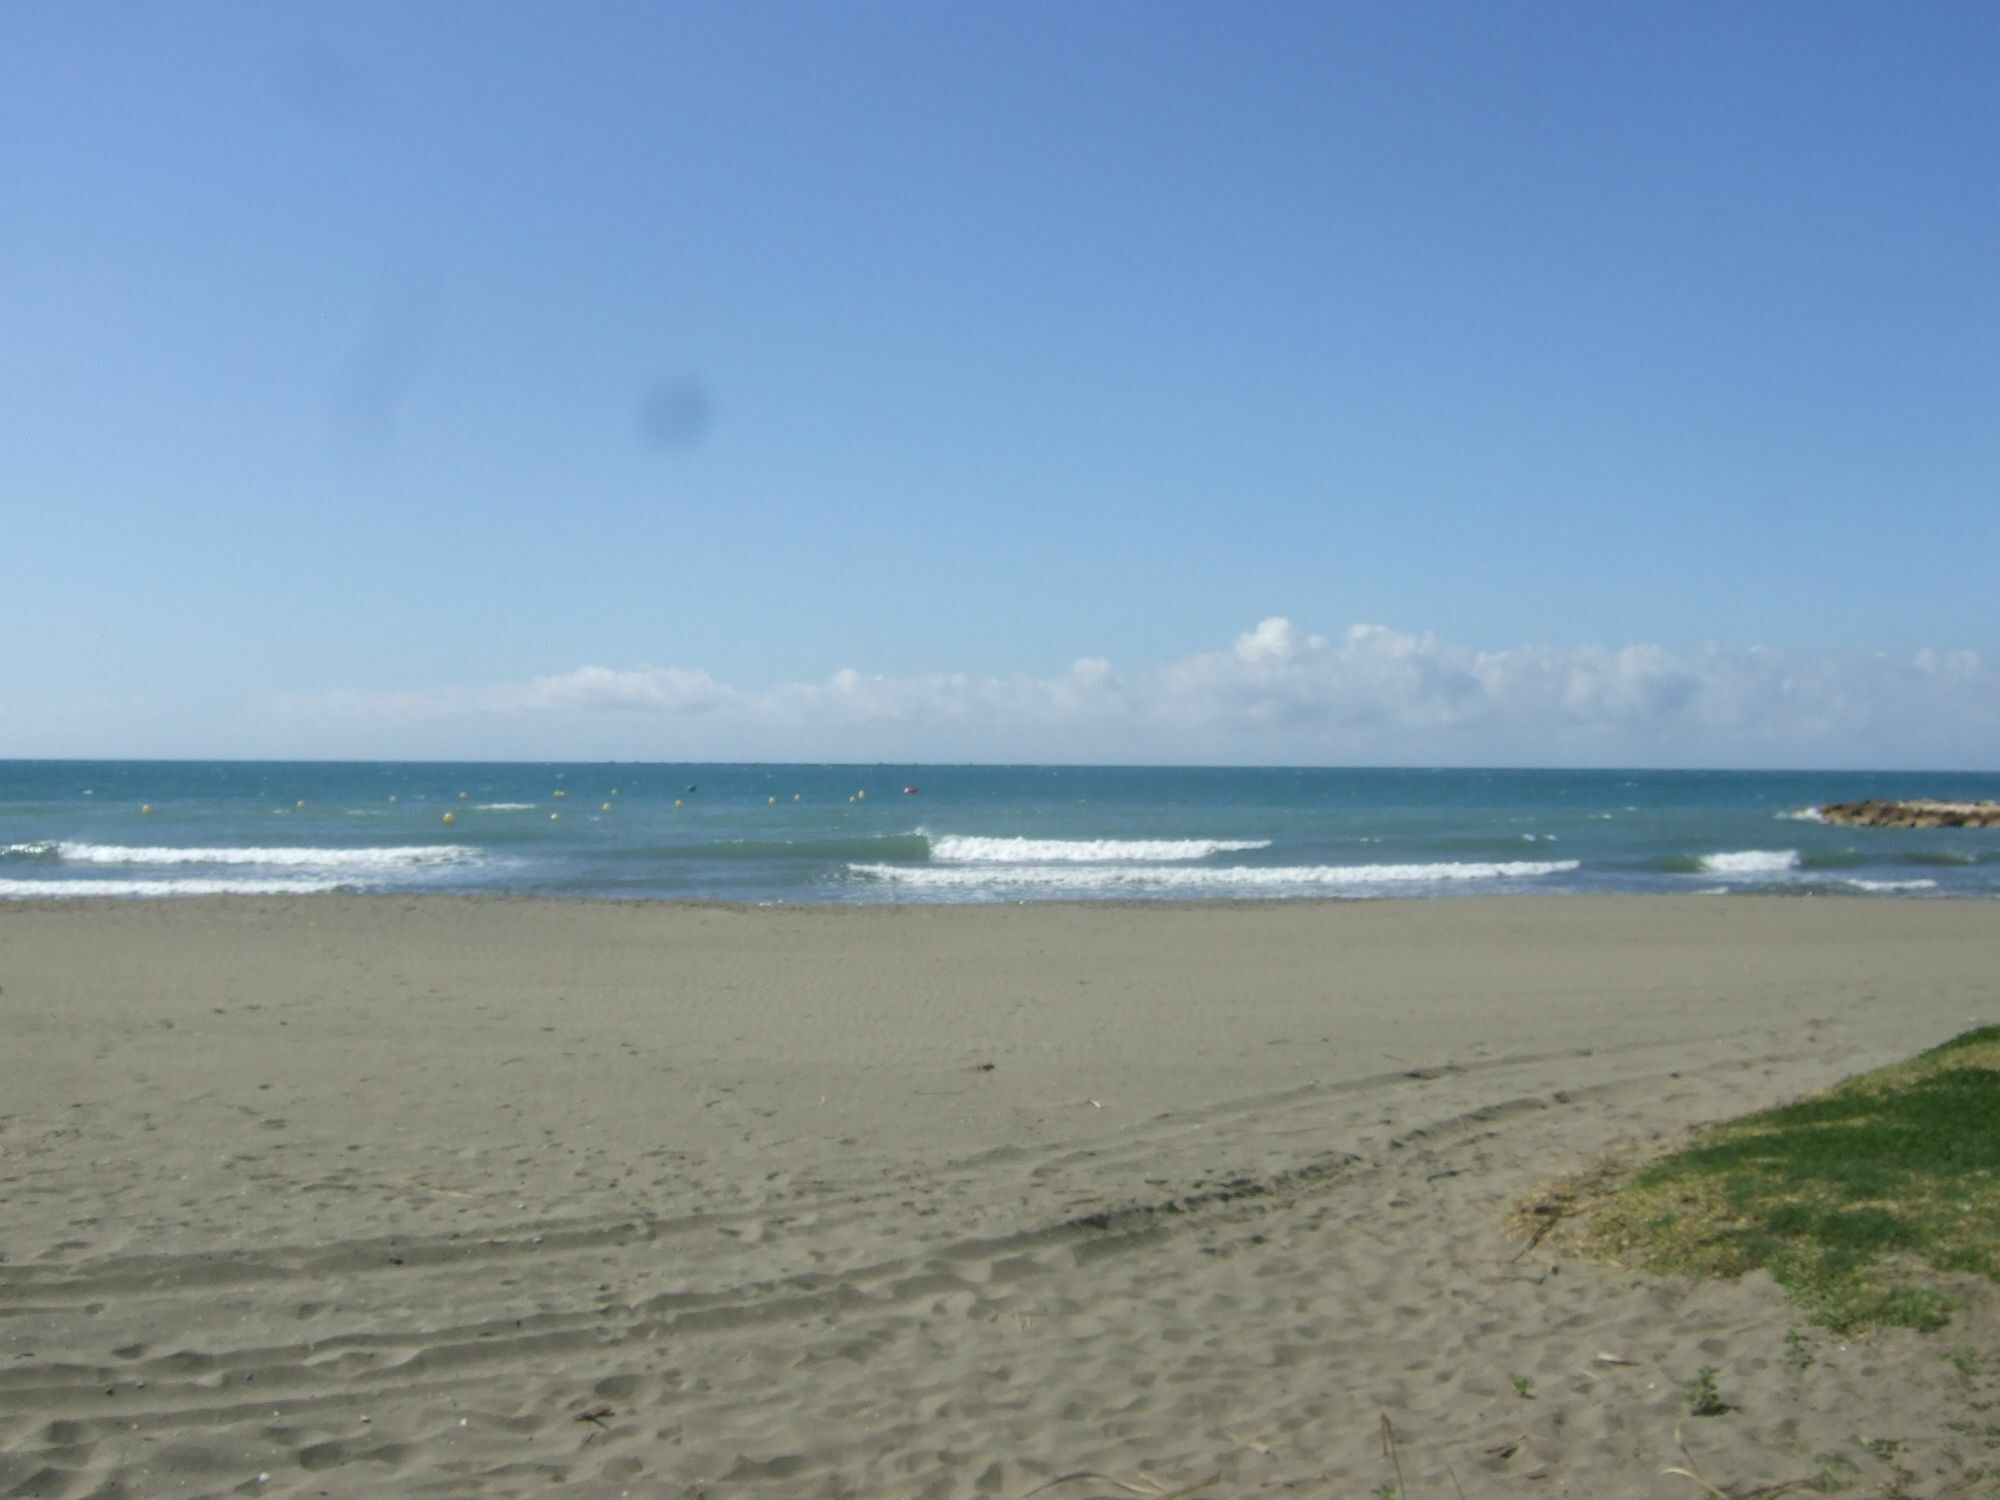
(300, 804)
(561, 793)
(554, 816)
(770, 801)
(679, 803)
(795, 796)
(146, 807)
(861, 796)
(449, 819)
(607, 807)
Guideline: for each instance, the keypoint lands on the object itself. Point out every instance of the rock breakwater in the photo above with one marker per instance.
(1916, 812)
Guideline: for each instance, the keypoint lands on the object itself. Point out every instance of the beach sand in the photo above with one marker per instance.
(436, 1197)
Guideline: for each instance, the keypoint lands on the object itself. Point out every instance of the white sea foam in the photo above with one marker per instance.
(357, 860)
(1892, 885)
(28, 851)
(951, 848)
(1803, 815)
(21, 890)
(1750, 862)
(503, 807)
(1080, 876)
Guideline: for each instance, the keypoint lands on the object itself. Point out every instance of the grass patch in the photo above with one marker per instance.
(1844, 1197)
(1703, 1398)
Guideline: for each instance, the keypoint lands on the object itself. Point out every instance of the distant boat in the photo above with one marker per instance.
(909, 791)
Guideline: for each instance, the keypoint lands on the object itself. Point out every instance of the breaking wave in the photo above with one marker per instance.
(65, 889)
(1100, 878)
(344, 860)
(1749, 862)
(964, 849)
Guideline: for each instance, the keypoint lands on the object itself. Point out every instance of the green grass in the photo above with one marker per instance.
(1851, 1199)
(1703, 1398)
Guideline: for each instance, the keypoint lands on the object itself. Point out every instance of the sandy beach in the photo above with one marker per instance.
(434, 1197)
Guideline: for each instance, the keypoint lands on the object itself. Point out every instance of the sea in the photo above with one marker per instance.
(874, 834)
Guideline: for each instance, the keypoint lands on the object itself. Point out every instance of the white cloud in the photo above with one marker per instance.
(1276, 694)
(671, 690)
(585, 691)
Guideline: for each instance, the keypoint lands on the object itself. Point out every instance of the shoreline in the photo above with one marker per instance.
(374, 1193)
(584, 899)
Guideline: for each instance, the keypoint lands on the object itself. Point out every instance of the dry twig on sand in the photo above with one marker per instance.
(1761, 1492)
(1389, 1452)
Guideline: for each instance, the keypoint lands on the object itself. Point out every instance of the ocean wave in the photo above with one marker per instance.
(29, 890)
(1113, 877)
(912, 846)
(1802, 815)
(1890, 885)
(27, 851)
(503, 807)
(950, 848)
(379, 858)
(1749, 862)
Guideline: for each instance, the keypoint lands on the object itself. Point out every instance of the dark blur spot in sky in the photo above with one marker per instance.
(380, 368)
(675, 413)
(322, 85)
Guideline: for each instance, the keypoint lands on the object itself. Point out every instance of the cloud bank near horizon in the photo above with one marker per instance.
(1278, 694)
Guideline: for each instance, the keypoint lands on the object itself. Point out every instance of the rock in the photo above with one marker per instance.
(1915, 812)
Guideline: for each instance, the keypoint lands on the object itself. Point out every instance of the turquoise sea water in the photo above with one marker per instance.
(779, 833)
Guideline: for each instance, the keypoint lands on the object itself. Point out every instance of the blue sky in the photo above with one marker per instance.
(1256, 382)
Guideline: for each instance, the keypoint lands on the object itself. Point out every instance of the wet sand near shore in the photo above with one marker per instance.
(355, 1196)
